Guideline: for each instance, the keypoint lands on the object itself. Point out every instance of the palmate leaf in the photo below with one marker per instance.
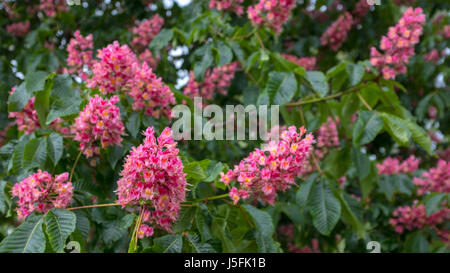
(280, 88)
(324, 207)
(169, 243)
(55, 147)
(59, 225)
(367, 127)
(27, 238)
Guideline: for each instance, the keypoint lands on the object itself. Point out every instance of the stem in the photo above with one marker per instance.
(351, 90)
(95, 206)
(74, 165)
(260, 41)
(210, 198)
(364, 101)
(136, 229)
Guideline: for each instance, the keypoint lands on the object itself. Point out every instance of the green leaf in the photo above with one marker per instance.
(369, 181)
(355, 73)
(318, 82)
(433, 202)
(419, 136)
(17, 157)
(261, 219)
(114, 154)
(197, 246)
(161, 40)
(27, 238)
(387, 186)
(2, 197)
(206, 61)
(59, 225)
(35, 153)
(281, 87)
(324, 208)
(35, 81)
(185, 219)
(42, 103)
(127, 221)
(367, 127)
(265, 244)
(416, 243)
(337, 162)
(213, 171)
(170, 243)
(361, 163)
(194, 171)
(64, 100)
(133, 124)
(55, 147)
(225, 54)
(19, 98)
(396, 128)
(304, 191)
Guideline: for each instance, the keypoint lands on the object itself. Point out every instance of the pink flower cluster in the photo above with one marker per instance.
(264, 172)
(52, 7)
(336, 34)
(415, 217)
(435, 179)
(398, 45)
(271, 13)
(432, 56)
(217, 80)
(41, 192)
(153, 177)
(145, 31)
(360, 11)
(27, 120)
(99, 120)
(228, 5)
(114, 69)
(80, 54)
(309, 63)
(150, 93)
(19, 29)
(391, 166)
(328, 134)
(147, 57)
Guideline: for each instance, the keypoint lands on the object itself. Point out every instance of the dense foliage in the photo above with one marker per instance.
(88, 157)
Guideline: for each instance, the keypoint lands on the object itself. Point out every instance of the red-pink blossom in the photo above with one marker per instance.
(360, 11)
(147, 57)
(114, 69)
(150, 93)
(217, 80)
(391, 166)
(398, 45)
(41, 192)
(271, 13)
(99, 121)
(228, 5)
(153, 178)
(145, 31)
(432, 56)
(336, 34)
(52, 7)
(309, 63)
(328, 134)
(80, 54)
(435, 179)
(264, 172)
(18, 29)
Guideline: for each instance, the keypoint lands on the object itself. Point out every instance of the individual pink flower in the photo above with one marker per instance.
(391, 166)
(145, 31)
(150, 93)
(228, 5)
(114, 69)
(398, 45)
(271, 13)
(336, 34)
(153, 178)
(80, 54)
(144, 231)
(217, 80)
(41, 192)
(432, 112)
(18, 29)
(52, 7)
(99, 121)
(264, 172)
(435, 179)
(309, 63)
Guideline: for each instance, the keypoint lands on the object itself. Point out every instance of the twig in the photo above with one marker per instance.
(95, 206)
(74, 165)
